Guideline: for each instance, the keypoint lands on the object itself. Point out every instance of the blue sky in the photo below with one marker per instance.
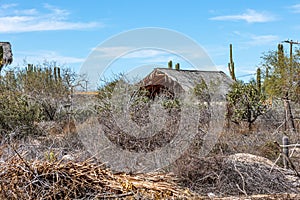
(67, 31)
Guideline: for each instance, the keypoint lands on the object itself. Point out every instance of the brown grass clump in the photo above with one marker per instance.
(20, 179)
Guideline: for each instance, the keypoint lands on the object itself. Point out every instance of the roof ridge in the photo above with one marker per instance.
(188, 70)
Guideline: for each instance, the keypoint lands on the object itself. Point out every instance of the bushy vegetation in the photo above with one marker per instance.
(17, 113)
(281, 82)
(282, 74)
(33, 94)
(245, 102)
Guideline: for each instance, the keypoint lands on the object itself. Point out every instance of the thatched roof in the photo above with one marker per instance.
(185, 80)
(5, 54)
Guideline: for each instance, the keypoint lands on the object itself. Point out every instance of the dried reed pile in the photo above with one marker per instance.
(20, 179)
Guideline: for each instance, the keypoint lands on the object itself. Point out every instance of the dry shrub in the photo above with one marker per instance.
(240, 174)
(132, 143)
(258, 143)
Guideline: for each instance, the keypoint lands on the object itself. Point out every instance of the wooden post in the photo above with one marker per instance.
(289, 119)
(285, 151)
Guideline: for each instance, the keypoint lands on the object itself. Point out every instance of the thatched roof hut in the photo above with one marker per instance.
(6, 56)
(178, 81)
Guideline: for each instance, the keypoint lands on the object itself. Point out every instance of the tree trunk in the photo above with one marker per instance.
(289, 117)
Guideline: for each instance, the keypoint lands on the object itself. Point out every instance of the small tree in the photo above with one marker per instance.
(246, 103)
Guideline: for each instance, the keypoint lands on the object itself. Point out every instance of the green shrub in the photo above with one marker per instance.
(31, 95)
(245, 103)
(17, 114)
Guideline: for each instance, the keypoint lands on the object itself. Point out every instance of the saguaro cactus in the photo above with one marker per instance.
(55, 73)
(58, 73)
(1, 55)
(267, 72)
(57, 76)
(258, 80)
(280, 53)
(231, 65)
(170, 64)
(29, 68)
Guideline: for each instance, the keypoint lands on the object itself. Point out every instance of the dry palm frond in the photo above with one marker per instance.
(20, 179)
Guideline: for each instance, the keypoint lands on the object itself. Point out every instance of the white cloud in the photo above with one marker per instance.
(249, 39)
(256, 40)
(127, 52)
(40, 56)
(145, 53)
(28, 20)
(6, 6)
(138, 56)
(26, 12)
(111, 52)
(250, 16)
(295, 8)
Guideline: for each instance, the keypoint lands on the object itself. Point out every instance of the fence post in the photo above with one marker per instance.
(285, 151)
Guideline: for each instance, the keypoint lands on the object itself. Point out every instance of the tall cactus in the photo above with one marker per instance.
(55, 73)
(267, 72)
(281, 56)
(258, 80)
(177, 66)
(231, 65)
(57, 76)
(1, 57)
(58, 73)
(170, 64)
(283, 68)
(48, 74)
(29, 68)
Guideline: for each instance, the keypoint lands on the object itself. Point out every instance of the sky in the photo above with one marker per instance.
(67, 32)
